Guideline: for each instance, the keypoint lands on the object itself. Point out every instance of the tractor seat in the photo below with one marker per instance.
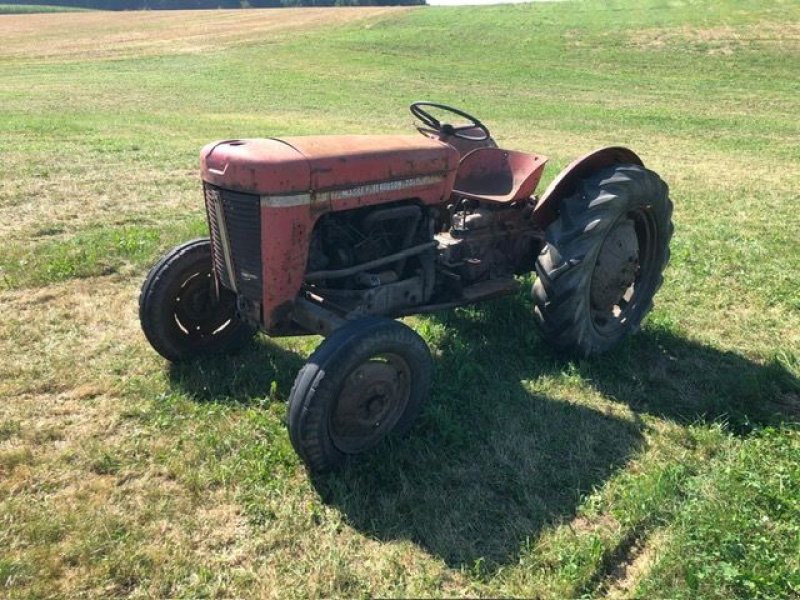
(497, 175)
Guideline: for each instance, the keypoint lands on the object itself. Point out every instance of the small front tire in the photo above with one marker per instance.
(367, 380)
(181, 312)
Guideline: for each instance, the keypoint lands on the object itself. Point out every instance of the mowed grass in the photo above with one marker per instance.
(668, 468)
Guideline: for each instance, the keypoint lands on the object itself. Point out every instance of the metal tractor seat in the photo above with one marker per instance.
(497, 175)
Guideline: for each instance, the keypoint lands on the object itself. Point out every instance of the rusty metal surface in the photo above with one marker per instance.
(563, 185)
(373, 399)
(315, 318)
(316, 164)
(616, 267)
(255, 167)
(284, 254)
(496, 175)
(301, 178)
(347, 160)
(463, 147)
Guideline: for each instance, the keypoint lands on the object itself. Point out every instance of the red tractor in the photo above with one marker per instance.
(339, 235)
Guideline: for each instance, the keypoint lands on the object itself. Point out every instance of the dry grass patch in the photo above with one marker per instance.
(722, 39)
(622, 581)
(61, 197)
(110, 35)
(74, 338)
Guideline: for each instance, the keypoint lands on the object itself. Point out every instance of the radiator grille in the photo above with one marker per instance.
(235, 223)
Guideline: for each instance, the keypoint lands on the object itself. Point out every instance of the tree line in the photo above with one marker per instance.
(201, 4)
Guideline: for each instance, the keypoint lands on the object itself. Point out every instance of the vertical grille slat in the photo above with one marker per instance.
(235, 225)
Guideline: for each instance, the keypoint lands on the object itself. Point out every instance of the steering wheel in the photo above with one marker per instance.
(434, 126)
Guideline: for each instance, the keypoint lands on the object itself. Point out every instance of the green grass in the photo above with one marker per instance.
(97, 251)
(26, 9)
(723, 546)
(667, 468)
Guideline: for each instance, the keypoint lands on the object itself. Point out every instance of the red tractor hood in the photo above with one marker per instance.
(315, 163)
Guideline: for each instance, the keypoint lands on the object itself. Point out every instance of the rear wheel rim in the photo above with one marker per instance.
(614, 304)
(372, 400)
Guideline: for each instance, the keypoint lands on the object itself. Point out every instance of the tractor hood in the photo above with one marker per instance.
(317, 163)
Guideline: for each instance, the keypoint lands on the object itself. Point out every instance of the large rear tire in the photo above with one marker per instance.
(181, 313)
(603, 260)
(367, 380)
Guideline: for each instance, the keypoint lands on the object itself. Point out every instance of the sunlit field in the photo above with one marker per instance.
(669, 468)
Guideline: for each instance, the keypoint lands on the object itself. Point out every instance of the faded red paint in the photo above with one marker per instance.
(284, 253)
(301, 178)
(353, 160)
(255, 167)
(316, 164)
(496, 175)
(305, 177)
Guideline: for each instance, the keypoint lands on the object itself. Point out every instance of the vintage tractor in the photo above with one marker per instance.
(339, 235)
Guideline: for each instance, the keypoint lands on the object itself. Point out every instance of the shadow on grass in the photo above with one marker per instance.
(244, 378)
(496, 456)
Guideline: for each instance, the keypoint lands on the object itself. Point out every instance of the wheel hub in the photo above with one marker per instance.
(195, 298)
(372, 400)
(198, 311)
(616, 267)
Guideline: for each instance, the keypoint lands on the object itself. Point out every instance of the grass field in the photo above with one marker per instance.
(669, 468)
(24, 9)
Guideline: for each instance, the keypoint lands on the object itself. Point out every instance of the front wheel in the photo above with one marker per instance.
(367, 380)
(603, 260)
(181, 312)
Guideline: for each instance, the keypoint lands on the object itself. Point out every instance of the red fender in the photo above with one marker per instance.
(546, 210)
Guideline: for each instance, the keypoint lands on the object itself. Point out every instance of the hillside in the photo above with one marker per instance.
(30, 6)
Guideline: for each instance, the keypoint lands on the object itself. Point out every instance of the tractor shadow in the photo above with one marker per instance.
(503, 449)
(501, 453)
(246, 377)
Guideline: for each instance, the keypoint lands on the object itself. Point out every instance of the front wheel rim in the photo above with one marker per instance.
(199, 312)
(371, 402)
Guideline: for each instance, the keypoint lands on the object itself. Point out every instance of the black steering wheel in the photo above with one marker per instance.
(434, 126)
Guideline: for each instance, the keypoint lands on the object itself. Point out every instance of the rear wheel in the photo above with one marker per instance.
(182, 314)
(603, 260)
(367, 380)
